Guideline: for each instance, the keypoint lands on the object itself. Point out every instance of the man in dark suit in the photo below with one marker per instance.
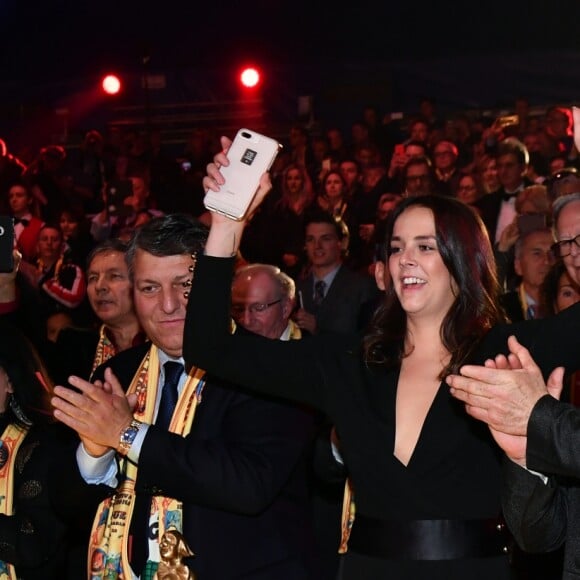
(78, 351)
(331, 296)
(217, 465)
(533, 259)
(497, 209)
(539, 434)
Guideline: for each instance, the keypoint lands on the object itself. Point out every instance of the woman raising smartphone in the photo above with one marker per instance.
(424, 474)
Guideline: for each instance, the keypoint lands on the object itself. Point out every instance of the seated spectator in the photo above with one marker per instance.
(486, 171)
(79, 351)
(563, 182)
(60, 284)
(558, 292)
(468, 189)
(445, 156)
(331, 294)
(27, 222)
(34, 539)
(122, 223)
(417, 177)
(533, 260)
(75, 229)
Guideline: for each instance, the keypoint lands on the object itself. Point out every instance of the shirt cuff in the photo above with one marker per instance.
(97, 470)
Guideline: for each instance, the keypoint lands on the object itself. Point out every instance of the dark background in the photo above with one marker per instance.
(468, 55)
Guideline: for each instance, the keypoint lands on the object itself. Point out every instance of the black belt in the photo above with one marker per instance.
(428, 539)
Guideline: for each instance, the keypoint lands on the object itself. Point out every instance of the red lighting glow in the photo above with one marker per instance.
(250, 77)
(111, 84)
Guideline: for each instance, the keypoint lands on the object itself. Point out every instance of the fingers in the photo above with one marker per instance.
(111, 379)
(555, 382)
(522, 353)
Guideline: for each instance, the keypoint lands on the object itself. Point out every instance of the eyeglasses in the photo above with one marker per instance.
(563, 248)
(256, 308)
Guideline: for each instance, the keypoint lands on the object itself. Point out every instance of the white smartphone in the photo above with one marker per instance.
(250, 155)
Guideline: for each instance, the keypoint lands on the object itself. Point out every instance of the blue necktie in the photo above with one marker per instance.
(169, 395)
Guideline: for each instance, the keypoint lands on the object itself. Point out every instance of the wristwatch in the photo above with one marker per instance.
(128, 436)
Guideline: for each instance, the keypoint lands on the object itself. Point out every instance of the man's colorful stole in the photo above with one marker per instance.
(108, 546)
(12, 438)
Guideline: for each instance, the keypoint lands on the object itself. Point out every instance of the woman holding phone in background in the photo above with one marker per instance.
(425, 475)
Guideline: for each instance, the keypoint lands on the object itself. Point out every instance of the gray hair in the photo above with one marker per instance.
(559, 204)
(168, 235)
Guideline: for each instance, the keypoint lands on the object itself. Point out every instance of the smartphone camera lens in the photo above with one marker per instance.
(246, 135)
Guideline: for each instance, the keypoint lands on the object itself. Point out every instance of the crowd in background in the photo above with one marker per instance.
(332, 193)
(64, 201)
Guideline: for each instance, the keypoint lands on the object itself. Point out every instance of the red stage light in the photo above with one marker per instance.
(250, 77)
(111, 84)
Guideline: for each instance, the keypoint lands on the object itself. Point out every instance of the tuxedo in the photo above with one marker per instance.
(239, 476)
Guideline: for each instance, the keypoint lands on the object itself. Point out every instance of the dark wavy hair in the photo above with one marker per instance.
(30, 402)
(466, 251)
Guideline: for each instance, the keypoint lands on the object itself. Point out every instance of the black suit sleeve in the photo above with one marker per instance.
(241, 467)
(535, 512)
(290, 369)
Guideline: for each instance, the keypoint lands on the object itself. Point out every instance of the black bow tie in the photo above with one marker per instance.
(507, 196)
(22, 221)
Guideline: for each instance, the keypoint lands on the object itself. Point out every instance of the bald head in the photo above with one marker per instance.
(262, 299)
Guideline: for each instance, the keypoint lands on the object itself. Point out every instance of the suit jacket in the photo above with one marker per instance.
(512, 305)
(239, 475)
(489, 206)
(542, 516)
(340, 311)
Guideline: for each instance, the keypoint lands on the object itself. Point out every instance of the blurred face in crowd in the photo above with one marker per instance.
(349, 172)
(444, 156)
(387, 203)
(19, 200)
(509, 171)
(294, 181)
(49, 244)
(417, 180)
(489, 175)
(535, 258)
(323, 247)
(467, 190)
(333, 185)
(109, 288)
(419, 132)
(568, 228)
(258, 304)
(68, 225)
(568, 293)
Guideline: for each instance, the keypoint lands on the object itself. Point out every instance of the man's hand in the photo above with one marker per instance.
(501, 397)
(99, 413)
(305, 320)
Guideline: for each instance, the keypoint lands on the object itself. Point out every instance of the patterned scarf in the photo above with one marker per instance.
(12, 438)
(108, 545)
